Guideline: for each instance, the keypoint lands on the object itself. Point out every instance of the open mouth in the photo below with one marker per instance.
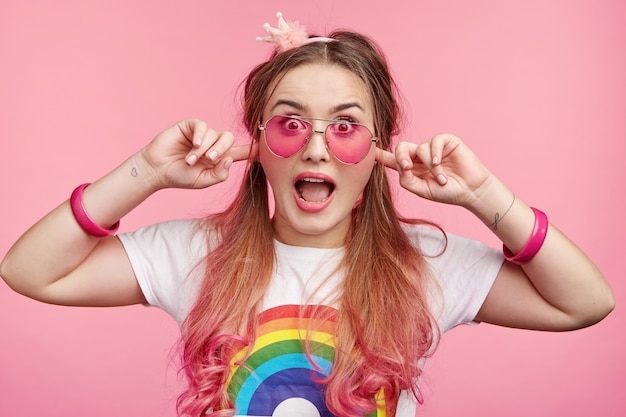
(314, 190)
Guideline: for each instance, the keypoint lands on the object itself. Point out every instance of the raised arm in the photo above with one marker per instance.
(558, 289)
(57, 261)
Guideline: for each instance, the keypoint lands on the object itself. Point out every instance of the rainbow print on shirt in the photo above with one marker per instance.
(278, 378)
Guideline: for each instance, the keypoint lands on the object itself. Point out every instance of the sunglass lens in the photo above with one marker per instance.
(286, 135)
(349, 142)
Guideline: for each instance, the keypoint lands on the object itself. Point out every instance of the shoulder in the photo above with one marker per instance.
(434, 243)
(166, 258)
(463, 269)
(168, 235)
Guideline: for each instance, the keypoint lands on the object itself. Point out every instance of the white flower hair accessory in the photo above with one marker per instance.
(288, 35)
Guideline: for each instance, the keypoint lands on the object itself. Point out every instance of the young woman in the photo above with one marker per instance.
(324, 302)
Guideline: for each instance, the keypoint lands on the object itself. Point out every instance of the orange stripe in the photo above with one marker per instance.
(297, 323)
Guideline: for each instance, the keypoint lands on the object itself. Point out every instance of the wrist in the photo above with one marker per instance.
(110, 198)
(490, 201)
(141, 169)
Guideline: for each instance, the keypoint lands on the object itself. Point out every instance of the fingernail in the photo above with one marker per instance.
(228, 163)
(212, 155)
(405, 164)
(435, 160)
(191, 159)
(441, 179)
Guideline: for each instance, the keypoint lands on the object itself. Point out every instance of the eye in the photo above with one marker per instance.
(292, 124)
(344, 127)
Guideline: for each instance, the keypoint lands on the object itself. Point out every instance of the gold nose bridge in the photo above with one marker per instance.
(320, 132)
(314, 130)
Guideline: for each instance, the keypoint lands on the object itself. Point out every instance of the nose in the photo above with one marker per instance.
(316, 149)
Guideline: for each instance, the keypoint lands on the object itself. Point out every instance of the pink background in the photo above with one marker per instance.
(536, 88)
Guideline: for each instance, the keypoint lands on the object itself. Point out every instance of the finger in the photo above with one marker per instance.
(195, 130)
(406, 153)
(214, 174)
(222, 169)
(386, 158)
(203, 138)
(242, 152)
(412, 183)
(223, 142)
(425, 155)
(437, 145)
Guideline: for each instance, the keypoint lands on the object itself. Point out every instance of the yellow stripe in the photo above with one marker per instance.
(380, 400)
(280, 335)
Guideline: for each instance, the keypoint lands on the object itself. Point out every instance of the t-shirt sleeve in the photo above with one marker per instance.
(166, 258)
(464, 271)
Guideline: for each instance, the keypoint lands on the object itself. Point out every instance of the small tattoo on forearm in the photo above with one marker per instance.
(133, 172)
(497, 217)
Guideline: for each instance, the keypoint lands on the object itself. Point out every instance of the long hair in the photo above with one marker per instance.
(384, 326)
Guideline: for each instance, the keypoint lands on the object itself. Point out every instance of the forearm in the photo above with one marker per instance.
(56, 245)
(560, 272)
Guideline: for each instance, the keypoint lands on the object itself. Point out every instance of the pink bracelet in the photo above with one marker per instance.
(83, 219)
(537, 237)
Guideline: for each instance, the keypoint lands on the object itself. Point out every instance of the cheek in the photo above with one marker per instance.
(267, 159)
(366, 166)
(273, 166)
(361, 172)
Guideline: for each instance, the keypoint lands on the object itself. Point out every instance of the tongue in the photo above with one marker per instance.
(314, 192)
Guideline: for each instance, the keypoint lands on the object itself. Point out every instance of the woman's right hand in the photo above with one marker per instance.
(190, 155)
(57, 262)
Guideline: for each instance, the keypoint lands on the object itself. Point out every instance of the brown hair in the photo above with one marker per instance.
(384, 325)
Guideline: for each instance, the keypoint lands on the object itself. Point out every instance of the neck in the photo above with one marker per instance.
(333, 238)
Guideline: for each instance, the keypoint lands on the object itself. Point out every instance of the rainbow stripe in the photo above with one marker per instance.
(278, 377)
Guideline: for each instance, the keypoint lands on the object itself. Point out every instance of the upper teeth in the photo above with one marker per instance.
(312, 180)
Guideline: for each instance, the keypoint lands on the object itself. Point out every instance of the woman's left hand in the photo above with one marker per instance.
(443, 170)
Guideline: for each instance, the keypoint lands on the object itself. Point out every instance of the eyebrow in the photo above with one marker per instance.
(299, 106)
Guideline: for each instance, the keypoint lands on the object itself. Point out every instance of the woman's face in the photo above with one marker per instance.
(314, 192)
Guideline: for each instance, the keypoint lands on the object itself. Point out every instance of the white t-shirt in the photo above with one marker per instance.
(276, 379)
